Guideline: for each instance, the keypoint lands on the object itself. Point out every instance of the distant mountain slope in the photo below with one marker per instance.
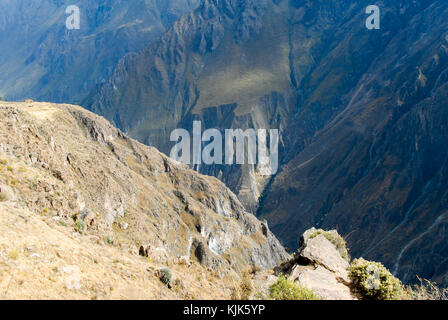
(378, 171)
(41, 59)
(360, 113)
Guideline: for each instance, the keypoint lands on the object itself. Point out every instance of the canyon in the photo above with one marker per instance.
(361, 112)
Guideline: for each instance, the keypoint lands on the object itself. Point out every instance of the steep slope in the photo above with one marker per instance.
(40, 259)
(336, 91)
(67, 165)
(43, 60)
(377, 172)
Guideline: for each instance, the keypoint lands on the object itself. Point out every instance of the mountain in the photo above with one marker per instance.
(377, 171)
(43, 60)
(360, 112)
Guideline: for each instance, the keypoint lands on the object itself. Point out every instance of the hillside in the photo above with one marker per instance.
(76, 192)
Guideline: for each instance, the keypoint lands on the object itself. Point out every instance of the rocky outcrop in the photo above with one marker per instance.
(319, 266)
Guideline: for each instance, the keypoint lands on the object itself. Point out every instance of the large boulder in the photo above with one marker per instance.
(317, 249)
(321, 281)
(321, 265)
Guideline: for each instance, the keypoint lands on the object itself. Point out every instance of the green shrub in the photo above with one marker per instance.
(165, 276)
(335, 239)
(108, 240)
(373, 281)
(80, 226)
(285, 289)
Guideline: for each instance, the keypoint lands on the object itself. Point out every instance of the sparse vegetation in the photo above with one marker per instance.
(244, 289)
(178, 286)
(335, 239)
(62, 223)
(285, 289)
(80, 226)
(108, 240)
(426, 290)
(165, 276)
(374, 281)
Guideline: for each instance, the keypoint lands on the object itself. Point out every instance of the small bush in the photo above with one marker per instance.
(108, 240)
(80, 226)
(335, 239)
(285, 289)
(165, 276)
(244, 289)
(373, 281)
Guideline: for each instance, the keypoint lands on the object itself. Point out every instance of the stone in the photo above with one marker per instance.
(124, 226)
(144, 250)
(320, 251)
(322, 282)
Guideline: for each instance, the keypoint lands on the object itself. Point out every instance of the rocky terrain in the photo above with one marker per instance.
(361, 114)
(319, 266)
(78, 197)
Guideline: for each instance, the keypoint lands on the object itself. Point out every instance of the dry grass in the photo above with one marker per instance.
(51, 253)
(426, 290)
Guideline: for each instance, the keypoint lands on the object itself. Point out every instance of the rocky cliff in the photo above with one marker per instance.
(72, 170)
